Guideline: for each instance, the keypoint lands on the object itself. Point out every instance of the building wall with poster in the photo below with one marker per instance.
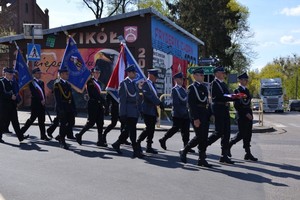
(153, 40)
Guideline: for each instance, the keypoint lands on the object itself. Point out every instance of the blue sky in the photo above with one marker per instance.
(275, 24)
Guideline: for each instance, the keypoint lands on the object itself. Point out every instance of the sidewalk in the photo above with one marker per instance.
(164, 126)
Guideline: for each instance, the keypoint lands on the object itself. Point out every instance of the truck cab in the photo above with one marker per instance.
(271, 93)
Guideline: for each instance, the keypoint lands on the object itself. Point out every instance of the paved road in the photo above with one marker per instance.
(40, 170)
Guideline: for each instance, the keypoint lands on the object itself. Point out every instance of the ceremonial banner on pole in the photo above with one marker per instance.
(21, 67)
(78, 72)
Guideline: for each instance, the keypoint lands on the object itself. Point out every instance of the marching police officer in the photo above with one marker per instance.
(220, 108)
(199, 114)
(6, 128)
(244, 118)
(96, 106)
(129, 111)
(38, 100)
(9, 98)
(180, 113)
(149, 109)
(65, 105)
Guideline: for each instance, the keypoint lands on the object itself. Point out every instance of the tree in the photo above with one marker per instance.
(219, 23)
(157, 4)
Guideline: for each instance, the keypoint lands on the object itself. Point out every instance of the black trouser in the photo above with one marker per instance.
(67, 121)
(129, 129)
(148, 132)
(36, 112)
(201, 133)
(184, 126)
(222, 126)
(95, 116)
(7, 116)
(113, 123)
(245, 132)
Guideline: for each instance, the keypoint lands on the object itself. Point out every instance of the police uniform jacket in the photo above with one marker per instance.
(63, 96)
(218, 89)
(37, 93)
(7, 89)
(129, 99)
(94, 91)
(243, 106)
(198, 100)
(179, 96)
(150, 99)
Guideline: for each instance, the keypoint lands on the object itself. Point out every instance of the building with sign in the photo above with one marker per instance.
(154, 41)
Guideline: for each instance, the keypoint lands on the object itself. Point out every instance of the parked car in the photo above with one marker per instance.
(294, 105)
(255, 105)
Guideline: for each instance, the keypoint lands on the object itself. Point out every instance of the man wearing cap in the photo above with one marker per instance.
(129, 111)
(6, 127)
(199, 114)
(65, 105)
(220, 108)
(180, 113)
(149, 109)
(244, 118)
(38, 100)
(8, 104)
(96, 106)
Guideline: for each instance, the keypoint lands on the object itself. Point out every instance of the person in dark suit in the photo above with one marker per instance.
(8, 104)
(199, 114)
(220, 107)
(38, 100)
(129, 111)
(65, 105)
(6, 127)
(244, 118)
(180, 113)
(149, 109)
(96, 105)
(112, 105)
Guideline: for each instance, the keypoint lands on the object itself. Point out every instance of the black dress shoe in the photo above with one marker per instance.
(78, 138)
(151, 150)
(126, 142)
(162, 143)
(71, 137)
(57, 138)
(2, 141)
(49, 134)
(8, 131)
(45, 138)
(249, 156)
(225, 159)
(182, 156)
(101, 144)
(116, 147)
(204, 163)
(192, 151)
(64, 146)
(137, 154)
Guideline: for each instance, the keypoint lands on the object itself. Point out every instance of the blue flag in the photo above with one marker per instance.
(73, 61)
(21, 67)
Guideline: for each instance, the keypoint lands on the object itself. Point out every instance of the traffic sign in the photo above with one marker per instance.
(208, 70)
(33, 52)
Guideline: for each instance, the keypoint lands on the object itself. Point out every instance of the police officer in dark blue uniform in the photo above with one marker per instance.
(129, 111)
(180, 113)
(244, 118)
(9, 99)
(65, 105)
(96, 105)
(149, 109)
(199, 114)
(38, 100)
(220, 108)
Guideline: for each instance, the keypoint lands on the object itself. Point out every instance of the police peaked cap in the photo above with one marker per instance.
(9, 70)
(130, 68)
(36, 70)
(178, 75)
(243, 76)
(154, 72)
(219, 69)
(95, 69)
(63, 69)
(198, 71)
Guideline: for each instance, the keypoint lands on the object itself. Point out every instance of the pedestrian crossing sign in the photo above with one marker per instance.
(33, 52)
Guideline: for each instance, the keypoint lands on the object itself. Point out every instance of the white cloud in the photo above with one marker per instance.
(289, 39)
(291, 11)
(296, 31)
(268, 44)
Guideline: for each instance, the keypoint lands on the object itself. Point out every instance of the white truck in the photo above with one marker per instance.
(271, 94)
